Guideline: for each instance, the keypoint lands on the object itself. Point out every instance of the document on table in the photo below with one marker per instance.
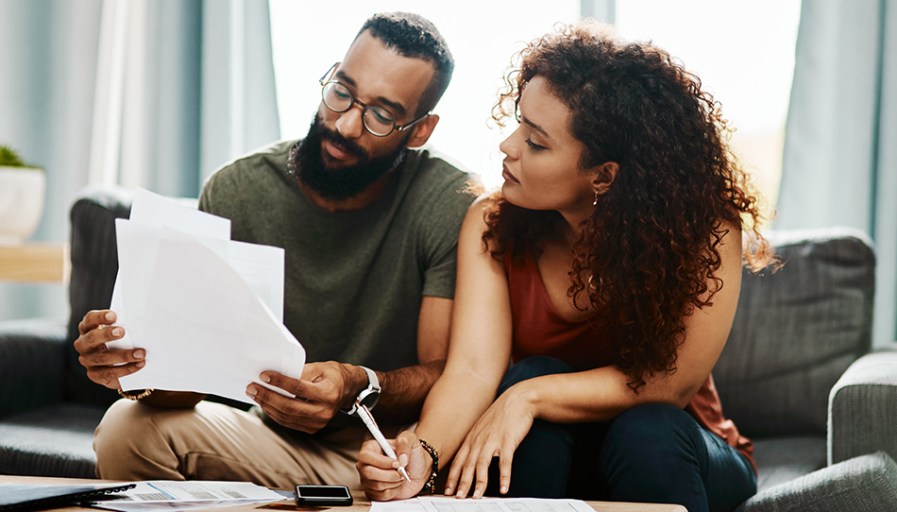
(176, 495)
(452, 504)
(208, 310)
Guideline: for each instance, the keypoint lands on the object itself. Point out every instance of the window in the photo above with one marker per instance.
(744, 54)
(309, 37)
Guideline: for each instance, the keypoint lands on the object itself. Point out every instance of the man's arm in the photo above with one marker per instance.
(325, 388)
(405, 389)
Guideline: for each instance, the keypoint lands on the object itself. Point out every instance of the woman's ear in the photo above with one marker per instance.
(605, 174)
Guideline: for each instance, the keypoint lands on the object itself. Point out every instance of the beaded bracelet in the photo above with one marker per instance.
(133, 395)
(430, 486)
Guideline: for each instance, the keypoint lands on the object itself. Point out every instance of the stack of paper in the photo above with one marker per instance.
(208, 310)
(171, 495)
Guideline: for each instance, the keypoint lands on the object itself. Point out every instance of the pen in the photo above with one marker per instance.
(365, 414)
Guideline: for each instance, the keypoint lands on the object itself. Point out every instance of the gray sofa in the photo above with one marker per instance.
(797, 375)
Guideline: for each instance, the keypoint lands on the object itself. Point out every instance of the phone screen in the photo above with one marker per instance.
(323, 495)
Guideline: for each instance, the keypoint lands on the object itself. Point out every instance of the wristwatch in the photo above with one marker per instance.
(368, 396)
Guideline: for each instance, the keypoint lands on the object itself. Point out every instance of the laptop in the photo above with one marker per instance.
(39, 497)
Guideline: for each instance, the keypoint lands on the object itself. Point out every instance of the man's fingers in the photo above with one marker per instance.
(98, 337)
(290, 412)
(96, 318)
(108, 376)
(111, 357)
(281, 381)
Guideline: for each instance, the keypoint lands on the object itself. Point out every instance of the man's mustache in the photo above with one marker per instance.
(346, 145)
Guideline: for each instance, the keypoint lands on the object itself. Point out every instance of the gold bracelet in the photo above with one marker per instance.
(430, 486)
(131, 395)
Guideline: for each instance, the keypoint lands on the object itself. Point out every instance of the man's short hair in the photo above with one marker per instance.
(412, 35)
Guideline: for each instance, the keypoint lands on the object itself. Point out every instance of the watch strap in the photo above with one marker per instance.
(373, 388)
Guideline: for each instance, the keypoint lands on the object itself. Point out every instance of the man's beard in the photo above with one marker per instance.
(347, 182)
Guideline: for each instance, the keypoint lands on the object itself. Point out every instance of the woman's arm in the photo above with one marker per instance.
(599, 394)
(602, 393)
(479, 353)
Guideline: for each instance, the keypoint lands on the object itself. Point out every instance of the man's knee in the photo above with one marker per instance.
(128, 440)
(121, 426)
(532, 367)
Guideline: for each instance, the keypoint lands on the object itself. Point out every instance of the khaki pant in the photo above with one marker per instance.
(217, 442)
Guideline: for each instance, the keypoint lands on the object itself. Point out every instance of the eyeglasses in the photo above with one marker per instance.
(376, 120)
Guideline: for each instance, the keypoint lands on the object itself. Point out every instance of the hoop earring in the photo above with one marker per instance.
(595, 202)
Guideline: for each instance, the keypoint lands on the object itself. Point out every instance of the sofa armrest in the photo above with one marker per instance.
(867, 483)
(862, 407)
(32, 362)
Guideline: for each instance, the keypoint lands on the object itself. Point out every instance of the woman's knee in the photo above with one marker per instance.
(652, 432)
(532, 367)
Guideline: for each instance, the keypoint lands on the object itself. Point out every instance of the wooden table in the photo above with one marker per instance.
(362, 504)
(34, 262)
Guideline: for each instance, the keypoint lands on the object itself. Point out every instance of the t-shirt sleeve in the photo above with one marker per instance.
(440, 230)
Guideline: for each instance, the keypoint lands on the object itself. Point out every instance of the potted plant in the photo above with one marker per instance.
(21, 197)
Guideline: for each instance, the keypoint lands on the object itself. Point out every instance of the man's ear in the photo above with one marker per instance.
(420, 133)
(605, 174)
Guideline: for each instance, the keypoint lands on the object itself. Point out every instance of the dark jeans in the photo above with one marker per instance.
(653, 453)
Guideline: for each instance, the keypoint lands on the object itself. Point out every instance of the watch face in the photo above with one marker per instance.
(370, 399)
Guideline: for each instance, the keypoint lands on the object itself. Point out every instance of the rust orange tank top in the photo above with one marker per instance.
(540, 330)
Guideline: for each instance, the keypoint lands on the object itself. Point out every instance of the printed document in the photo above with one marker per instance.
(176, 495)
(208, 310)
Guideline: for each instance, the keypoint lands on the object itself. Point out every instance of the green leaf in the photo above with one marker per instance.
(9, 158)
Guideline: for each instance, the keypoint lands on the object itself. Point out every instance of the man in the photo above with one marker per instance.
(370, 232)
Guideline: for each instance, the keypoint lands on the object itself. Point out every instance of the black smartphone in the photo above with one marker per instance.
(323, 495)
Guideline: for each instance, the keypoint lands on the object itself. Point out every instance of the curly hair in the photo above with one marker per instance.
(649, 253)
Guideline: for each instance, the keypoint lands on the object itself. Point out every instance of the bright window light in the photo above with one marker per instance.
(744, 54)
(308, 38)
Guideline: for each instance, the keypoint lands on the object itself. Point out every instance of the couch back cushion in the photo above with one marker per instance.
(796, 331)
(94, 267)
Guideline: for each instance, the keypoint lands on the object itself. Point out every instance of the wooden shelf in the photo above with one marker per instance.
(47, 263)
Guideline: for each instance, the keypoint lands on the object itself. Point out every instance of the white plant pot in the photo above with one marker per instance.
(21, 203)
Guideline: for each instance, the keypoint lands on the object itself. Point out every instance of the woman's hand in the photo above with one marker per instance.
(497, 433)
(379, 475)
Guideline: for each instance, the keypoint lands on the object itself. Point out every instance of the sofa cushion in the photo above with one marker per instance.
(94, 268)
(796, 331)
(31, 364)
(56, 440)
(780, 459)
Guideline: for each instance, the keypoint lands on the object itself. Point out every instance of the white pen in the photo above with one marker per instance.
(365, 414)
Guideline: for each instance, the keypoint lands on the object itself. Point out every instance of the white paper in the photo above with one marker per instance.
(452, 504)
(156, 210)
(177, 495)
(202, 307)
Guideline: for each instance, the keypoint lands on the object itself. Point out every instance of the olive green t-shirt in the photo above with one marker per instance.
(353, 280)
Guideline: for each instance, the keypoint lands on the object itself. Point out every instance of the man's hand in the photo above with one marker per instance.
(105, 365)
(321, 391)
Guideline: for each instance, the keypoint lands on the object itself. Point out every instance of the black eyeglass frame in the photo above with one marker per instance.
(364, 107)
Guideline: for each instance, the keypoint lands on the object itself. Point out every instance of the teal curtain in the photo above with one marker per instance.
(840, 157)
(151, 93)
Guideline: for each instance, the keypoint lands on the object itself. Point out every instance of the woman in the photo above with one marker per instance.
(607, 269)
